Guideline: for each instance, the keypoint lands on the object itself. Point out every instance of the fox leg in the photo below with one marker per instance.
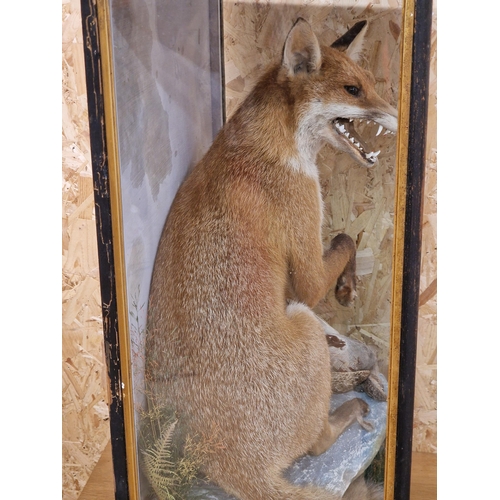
(314, 271)
(348, 413)
(345, 289)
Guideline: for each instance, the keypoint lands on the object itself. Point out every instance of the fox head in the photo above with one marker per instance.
(332, 92)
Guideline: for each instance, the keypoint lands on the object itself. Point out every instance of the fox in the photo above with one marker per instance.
(233, 342)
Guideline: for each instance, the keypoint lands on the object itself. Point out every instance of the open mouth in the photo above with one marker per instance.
(345, 128)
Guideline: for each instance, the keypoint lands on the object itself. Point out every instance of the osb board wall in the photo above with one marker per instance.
(425, 424)
(357, 201)
(85, 430)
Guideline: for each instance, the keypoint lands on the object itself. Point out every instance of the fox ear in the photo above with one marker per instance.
(301, 53)
(351, 42)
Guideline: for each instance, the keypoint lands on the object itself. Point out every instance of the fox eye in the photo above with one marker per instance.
(352, 89)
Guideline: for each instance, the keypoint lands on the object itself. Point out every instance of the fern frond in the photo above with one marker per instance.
(158, 466)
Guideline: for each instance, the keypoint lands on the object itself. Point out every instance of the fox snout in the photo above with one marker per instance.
(360, 120)
(351, 141)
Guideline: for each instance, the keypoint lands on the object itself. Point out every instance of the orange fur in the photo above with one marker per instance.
(231, 337)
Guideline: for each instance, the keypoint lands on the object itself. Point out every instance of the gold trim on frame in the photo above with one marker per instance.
(104, 20)
(398, 246)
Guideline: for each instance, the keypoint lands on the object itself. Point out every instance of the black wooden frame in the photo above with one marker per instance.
(417, 134)
(107, 274)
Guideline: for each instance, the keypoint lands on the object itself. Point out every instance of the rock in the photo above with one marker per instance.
(354, 365)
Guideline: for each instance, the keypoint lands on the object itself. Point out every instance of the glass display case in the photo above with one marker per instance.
(164, 78)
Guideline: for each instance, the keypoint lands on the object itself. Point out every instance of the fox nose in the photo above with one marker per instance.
(392, 123)
(387, 115)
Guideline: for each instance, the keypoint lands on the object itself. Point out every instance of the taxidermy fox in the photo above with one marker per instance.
(232, 341)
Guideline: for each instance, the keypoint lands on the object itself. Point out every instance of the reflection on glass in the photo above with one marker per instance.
(167, 85)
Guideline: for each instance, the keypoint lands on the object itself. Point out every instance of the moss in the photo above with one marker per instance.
(376, 469)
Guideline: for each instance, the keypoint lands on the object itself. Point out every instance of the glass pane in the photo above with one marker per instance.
(166, 57)
(169, 108)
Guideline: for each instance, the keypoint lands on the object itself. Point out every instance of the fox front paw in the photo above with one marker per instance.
(345, 291)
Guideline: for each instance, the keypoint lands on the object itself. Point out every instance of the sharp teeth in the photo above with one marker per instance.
(357, 144)
(380, 128)
(372, 155)
(352, 139)
(350, 119)
(387, 132)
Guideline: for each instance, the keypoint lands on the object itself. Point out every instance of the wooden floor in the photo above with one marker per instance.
(100, 485)
(423, 476)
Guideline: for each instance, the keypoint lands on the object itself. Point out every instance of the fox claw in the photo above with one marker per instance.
(345, 291)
